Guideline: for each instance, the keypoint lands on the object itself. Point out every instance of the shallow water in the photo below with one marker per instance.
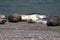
(50, 7)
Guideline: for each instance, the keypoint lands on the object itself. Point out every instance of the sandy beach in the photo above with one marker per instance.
(27, 31)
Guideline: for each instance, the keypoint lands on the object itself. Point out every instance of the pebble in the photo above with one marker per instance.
(28, 35)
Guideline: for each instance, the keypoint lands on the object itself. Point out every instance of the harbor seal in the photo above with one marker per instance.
(31, 21)
(53, 21)
(14, 18)
(3, 19)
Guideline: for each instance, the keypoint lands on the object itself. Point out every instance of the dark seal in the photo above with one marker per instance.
(14, 18)
(53, 21)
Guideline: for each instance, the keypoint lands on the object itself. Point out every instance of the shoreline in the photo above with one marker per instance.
(27, 31)
(28, 26)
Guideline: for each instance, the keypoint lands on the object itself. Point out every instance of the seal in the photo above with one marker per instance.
(3, 19)
(31, 21)
(53, 21)
(14, 18)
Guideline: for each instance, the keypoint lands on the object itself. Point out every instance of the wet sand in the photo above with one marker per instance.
(28, 26)
(27, 31)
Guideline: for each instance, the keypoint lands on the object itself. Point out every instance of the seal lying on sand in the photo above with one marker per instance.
(35, 18)
(53, 21)
(31, 21)
(14, 18)
(3, 19)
